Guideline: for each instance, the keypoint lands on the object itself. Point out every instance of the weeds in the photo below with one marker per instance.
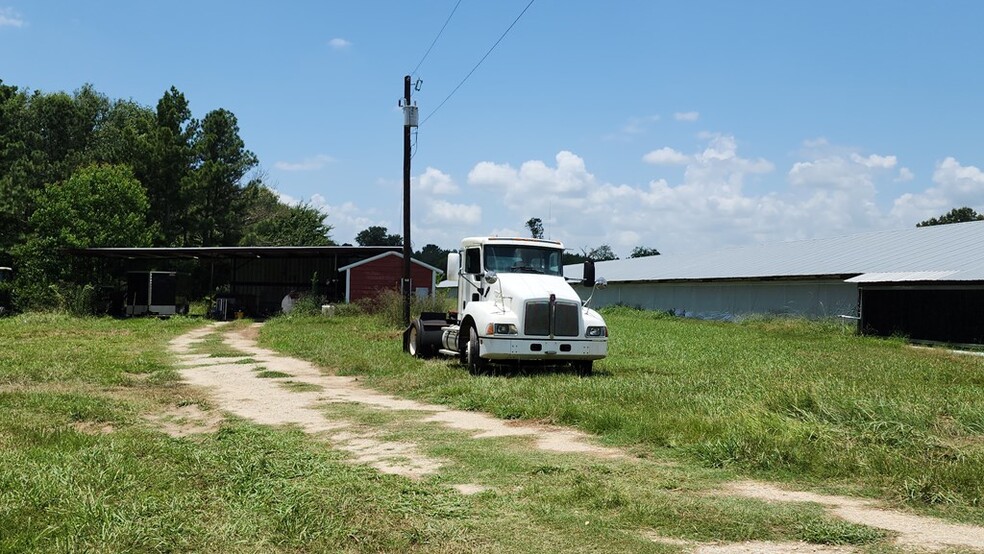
(770, 397)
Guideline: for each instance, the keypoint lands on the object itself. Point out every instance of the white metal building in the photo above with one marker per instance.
(914, 281)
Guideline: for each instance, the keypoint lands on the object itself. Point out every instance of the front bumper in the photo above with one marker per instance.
(542, 348)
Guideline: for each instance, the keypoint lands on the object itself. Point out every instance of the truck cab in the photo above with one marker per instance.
(513, 306)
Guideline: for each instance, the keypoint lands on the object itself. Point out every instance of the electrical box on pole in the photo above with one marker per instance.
(410, 116)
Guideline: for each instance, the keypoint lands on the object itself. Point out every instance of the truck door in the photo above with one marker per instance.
(473, 271)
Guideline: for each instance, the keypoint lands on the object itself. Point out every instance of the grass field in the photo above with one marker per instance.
(783, 399)
(82, 468)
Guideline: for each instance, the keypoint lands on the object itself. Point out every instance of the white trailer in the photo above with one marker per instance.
(514, 306)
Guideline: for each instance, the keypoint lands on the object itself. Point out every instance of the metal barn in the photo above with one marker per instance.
(924, 283)
(251, 279)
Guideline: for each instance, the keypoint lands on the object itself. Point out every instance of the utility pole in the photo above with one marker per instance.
(409, 121)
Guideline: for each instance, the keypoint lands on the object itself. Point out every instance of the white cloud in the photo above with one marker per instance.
(665, 156)
(838, 168)
(686, 116)
(715, 203)
(535, 181)
(634, 126)
(346, 219)
(584, 212)
(10, 18)
(830, 190)
(488, 173)
(308, 164)
(441, 212)
(434, 181)
(339, 43)
(905, 174)
(956, 186)
(874, 161)
(286, 198)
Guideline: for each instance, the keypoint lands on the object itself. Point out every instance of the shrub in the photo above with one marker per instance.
(308, 304)
(389, 305)
(60, 297)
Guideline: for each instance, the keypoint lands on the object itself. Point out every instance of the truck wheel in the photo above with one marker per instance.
(476, 365)
(415, 342)
(584, 368)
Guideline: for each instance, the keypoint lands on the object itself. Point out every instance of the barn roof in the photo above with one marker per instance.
(953, 252)
(383, 255)
(229, 252)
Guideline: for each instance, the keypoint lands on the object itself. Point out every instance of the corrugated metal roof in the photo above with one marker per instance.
(900, 276)
(952, 252)
(229, 252)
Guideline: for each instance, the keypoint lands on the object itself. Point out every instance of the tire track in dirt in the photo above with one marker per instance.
(912, 530)
(235, 386)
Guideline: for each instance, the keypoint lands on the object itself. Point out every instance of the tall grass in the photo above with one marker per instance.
(777, 398)
(81, 469)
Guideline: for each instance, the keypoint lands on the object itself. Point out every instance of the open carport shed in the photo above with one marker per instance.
(257, 277)
(925, 283)
(924, 306)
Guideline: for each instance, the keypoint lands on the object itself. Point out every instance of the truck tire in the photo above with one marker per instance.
(584, 368)
(476, 365)
(414, 341)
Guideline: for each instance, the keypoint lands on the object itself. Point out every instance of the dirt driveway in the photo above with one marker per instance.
(272, 389)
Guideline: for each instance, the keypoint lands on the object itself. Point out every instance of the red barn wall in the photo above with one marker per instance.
(370, 279)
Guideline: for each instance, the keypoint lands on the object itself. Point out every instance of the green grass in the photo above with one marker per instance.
(81, 469)
(298, 386)
(781, 399)
(215, 347)
(270, 374)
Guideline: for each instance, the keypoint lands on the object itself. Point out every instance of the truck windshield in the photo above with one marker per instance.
(523, 259)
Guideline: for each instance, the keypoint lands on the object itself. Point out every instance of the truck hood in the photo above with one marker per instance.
(517, 288)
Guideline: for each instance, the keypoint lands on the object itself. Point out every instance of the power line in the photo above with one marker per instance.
(504, 33)
(446, 21)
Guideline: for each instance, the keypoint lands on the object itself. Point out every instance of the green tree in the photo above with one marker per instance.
(643, 251)
(434, 255)
(571, 258)
(168, 176)
(270, 222)
(535, 225)
(98, 206)
(377, 236)
(216, 187)
(602, 253)
(43, 139)
(123, 137)
(62, 129)
(16, 166)
(956, 215)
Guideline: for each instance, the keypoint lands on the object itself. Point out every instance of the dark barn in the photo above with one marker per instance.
(253, 279)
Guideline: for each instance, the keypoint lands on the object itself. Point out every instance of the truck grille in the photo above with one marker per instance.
(564, 324)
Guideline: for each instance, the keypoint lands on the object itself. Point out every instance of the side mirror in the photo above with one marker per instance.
(454, 265)
(601, 283)
(588, 276)
(491, 277)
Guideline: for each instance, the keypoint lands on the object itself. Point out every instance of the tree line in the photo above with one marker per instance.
(82, 170)
(602, 253)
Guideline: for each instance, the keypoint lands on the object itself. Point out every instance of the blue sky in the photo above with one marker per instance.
(677, 125)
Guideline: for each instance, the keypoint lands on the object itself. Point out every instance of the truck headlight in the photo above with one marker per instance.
(501, 329)
(600, 331)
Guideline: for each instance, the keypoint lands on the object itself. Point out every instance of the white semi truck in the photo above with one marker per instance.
(514, 307)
